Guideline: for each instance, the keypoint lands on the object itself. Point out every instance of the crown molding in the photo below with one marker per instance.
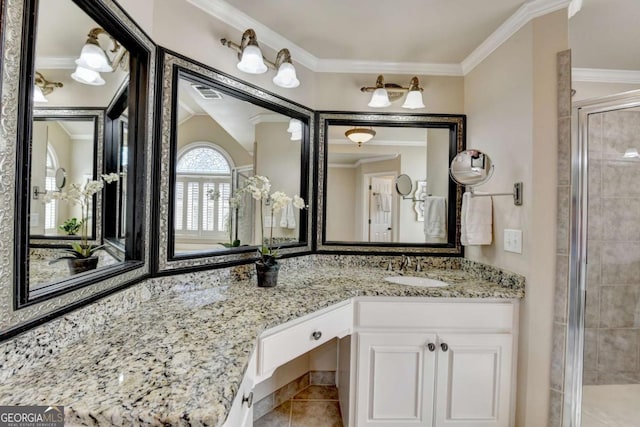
(365, 160)
(601, 75)
(239, 20)
(268, 118)
(376, 67)
(528, 11)
(56, 63)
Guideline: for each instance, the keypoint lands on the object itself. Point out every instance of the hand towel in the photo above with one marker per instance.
(386, 202)
(435, 217)
(476, 220)
(288, 219)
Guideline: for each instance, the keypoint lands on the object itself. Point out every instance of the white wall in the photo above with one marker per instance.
(589, 90)
(510, 100)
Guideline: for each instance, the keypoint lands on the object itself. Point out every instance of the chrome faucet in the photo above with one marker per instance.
(405, 262)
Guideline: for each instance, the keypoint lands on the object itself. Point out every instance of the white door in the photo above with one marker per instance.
(395, 379)
(381, 207)
(473, 380)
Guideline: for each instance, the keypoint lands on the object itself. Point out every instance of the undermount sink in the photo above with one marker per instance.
(424, 282)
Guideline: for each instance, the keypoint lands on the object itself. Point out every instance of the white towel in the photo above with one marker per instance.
(476, 220)
(435, 217)
(386, 202)
(288, 219)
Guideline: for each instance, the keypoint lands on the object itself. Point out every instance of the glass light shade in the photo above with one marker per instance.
(38, 96)
(413, 100)
(251, 61)
(286, 76)
(295, 125)
(631, 153)
(87, 76)
(379, 99)
(296, 135)
(94, 58)
(360, 135)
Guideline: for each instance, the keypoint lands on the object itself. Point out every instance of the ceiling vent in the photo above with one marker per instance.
(206, 92)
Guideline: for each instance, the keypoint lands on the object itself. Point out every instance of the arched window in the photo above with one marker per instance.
(203, 188)
(51, 207)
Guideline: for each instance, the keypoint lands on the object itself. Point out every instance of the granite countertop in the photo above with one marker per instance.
(179, 360)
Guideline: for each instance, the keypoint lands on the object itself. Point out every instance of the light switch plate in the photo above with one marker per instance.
(513, 241)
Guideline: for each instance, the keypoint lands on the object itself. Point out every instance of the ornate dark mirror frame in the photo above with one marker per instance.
(97, 115)
(17, 56)
(174, 65)
(456, 123)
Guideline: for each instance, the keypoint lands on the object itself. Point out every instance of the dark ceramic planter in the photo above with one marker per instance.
(267, 274)
(80, 265)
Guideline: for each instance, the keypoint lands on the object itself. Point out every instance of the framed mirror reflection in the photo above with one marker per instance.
(76, 58)
(218, 134)
(385, 186)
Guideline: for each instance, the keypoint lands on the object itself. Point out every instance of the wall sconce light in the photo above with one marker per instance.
(43, 87)
(295, 129)
(385, 93)
(251, 60)
(94, 60)
(360, 135)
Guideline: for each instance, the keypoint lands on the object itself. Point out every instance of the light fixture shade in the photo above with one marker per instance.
(87, 76)
(379, 99)
(295, 125)
(360, 135)
(251, 61)
(631, 153)
(286, 76)
(38, 96)
(296, 135)
(94, 58)
(413, 100)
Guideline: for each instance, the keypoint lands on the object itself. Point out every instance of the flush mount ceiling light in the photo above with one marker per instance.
(360, 135)
(631, 153)
(94, 60)
(252, 61)
(385, 93)
(43, 87)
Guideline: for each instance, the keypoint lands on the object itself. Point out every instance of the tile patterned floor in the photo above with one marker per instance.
(315, 406)
(611, 405)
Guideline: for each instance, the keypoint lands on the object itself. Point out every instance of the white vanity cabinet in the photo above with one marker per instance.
(433, 363)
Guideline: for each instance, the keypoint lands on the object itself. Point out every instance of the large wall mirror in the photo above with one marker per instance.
(218, 133)
(66, 63)
(384, 182)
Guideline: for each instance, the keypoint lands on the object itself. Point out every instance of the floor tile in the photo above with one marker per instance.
(318, 392)
(611, 405)
(321, 413)
(279, 417)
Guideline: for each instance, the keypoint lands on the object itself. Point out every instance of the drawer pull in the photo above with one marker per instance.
(444, 346)
(431, 346)
(316, 335)
(248, 399)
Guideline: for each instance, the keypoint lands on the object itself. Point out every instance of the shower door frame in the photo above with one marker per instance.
(574, 366)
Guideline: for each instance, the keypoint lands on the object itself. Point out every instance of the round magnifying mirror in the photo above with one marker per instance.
(403, 185)
(61, 178)
(471, 167)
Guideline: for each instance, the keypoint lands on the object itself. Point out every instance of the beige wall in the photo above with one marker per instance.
(340, 203)
(438, 169)
(510, 102)
(589, 90)
(204, 128)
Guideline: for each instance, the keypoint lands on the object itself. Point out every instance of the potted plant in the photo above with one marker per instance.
(81, 256)
(259, 188)
(70, 226)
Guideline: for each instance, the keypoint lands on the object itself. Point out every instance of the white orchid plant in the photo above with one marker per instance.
(259, 188)
(79, 195)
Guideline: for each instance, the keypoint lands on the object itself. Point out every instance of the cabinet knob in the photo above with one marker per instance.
(248, 399)
(444, 346)
(316, 335)
(431, 346)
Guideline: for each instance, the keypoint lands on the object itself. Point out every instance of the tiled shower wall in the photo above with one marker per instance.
(612, 319)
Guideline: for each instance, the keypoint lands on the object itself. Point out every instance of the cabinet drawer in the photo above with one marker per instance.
(432, 315)
(288, 342)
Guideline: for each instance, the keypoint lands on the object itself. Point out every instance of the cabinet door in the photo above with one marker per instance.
(473, 385)
(395, 379)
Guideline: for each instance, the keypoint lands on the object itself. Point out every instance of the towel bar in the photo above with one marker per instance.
(517, 194)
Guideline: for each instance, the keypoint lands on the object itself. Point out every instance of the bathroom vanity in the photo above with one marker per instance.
(195, 345)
